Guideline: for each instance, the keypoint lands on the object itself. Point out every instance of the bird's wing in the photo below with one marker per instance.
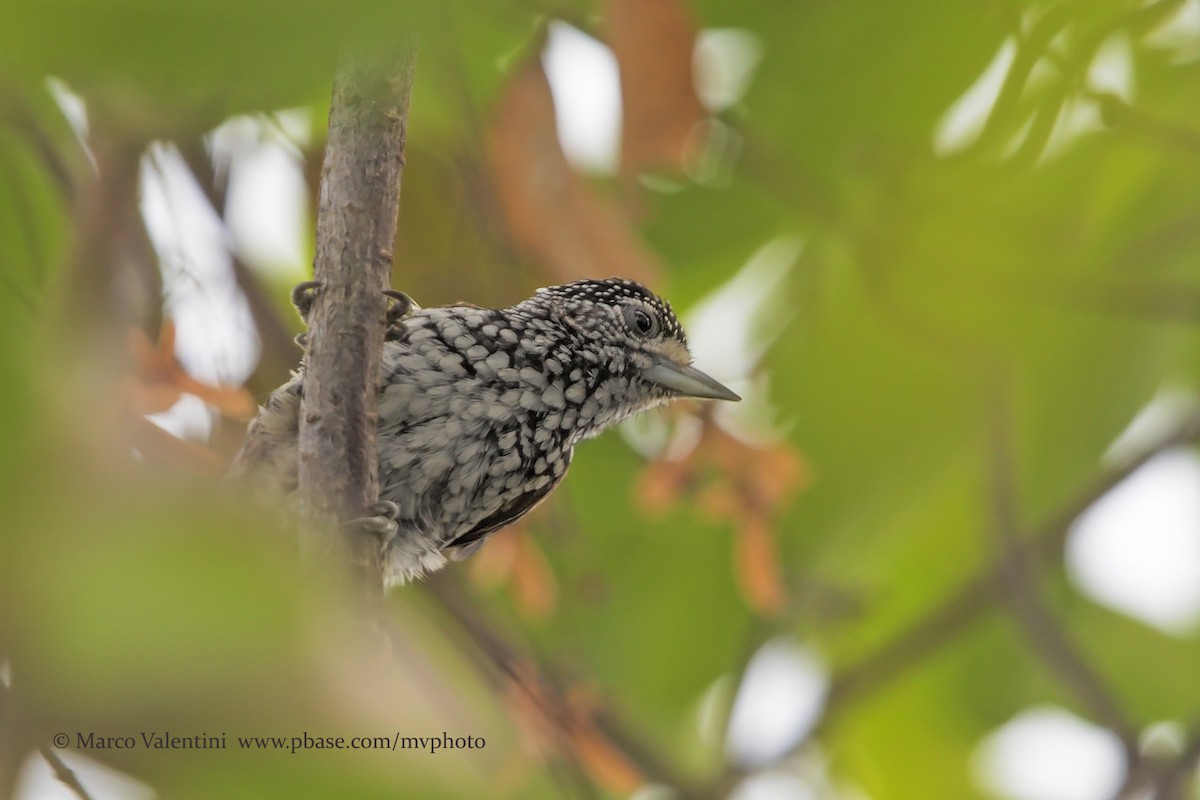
(509, 513)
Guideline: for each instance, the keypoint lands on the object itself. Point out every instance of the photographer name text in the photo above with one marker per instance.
(166, 740)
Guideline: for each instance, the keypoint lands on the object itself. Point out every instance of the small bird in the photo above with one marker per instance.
(480, 409)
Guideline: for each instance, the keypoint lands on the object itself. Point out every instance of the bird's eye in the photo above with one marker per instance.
(640, 322)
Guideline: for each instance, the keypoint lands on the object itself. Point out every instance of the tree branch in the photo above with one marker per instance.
(278, 348)
(1017, 567)
(1172, 782)
(1158, 776)
(964, 605)
(66, 776)
(540, 683)
(967, 603)
(356, 228)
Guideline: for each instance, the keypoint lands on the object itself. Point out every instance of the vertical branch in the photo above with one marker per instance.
(356, 226)
(114, 280)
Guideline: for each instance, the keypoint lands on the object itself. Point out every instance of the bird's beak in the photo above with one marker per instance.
(687, 381)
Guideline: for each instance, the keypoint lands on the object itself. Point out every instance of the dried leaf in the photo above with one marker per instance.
(159, 380)
(551, 211)
(551, 720)
(779, 473)
(720, 500)
(757, 566)
(603, 760)
(533, 581)
(492, 566)
(659, 487)
(233, 402)
(743, 484)
(654, 43)
(513, 557)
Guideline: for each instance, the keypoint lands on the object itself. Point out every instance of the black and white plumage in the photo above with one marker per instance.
(480, 409)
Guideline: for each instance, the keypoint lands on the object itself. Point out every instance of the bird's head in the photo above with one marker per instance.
(632, 334)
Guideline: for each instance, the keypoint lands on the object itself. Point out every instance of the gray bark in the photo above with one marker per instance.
(356, 226)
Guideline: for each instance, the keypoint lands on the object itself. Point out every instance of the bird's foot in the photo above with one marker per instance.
(303, 295)
(399, 306)
(379, 521)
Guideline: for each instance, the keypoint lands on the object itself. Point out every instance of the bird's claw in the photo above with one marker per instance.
(303, 295)
(399, 306)
(379, 521)
(384, 508)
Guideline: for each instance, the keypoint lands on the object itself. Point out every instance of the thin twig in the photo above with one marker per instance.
(278, 348)
(499, 663)
(966, 604)
(1172, 782)
(110, 244)
(495, 656)
(1020, 574)
(66, 776)
(1161, 777)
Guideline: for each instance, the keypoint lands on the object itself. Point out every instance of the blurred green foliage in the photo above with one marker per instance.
(1057, 273)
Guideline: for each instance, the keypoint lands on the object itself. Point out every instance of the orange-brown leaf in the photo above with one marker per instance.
(659, 486)
(151, 398)
(779, 473)
(550, 720)
(159, 379)
(653, 43)
(533, 581)
(493, 565)
(759, 578)
(604, 761)
(719, 500)
(551, 212)
(234, 402)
